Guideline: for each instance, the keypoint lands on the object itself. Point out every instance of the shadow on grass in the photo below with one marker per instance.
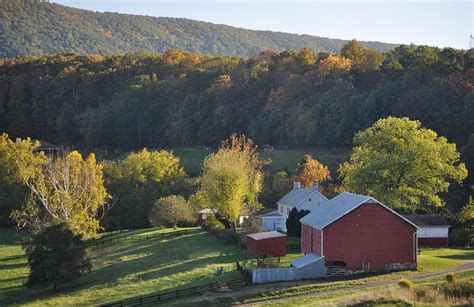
(469, 255)
(143, 261)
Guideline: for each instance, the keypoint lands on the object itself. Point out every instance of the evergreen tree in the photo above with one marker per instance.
(293, 225)
(55, 256)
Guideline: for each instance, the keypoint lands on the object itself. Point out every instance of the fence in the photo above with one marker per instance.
(293, 247)
(164, 296)
(130, 238)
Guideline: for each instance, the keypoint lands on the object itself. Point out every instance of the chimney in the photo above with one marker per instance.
(315, 186)
(296, 185)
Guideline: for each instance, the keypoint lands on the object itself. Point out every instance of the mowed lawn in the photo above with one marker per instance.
(124, 270)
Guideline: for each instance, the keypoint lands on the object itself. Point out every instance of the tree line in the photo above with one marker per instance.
(290, 98)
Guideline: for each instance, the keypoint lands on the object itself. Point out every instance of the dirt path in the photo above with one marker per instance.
(460, 268)
(233, 298)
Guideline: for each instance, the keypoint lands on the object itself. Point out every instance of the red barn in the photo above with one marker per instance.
(267, 244)
(359, 233)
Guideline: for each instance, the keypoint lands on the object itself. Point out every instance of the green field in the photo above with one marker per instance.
(134, 269)
(282, 159)
(124, 270)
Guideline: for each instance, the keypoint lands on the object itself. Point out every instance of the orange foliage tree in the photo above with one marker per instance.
(311, 170)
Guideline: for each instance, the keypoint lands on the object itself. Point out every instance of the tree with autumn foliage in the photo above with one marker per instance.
(311, 170)
(68, 190)
(232, 178)
(19, 161)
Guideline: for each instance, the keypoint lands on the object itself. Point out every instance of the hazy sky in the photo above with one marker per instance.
(438, 23)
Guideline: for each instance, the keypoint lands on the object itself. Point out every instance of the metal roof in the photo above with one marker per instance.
(274, 213)
(298, 195)
(266, 235)
(305, 260)
(207, 211)
(337, 207)
(427, 220)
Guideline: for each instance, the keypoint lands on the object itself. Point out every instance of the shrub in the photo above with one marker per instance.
(405, 284)
(451, 277)
(459, 289)
(213, 225)
(461, 236)
(253, 224)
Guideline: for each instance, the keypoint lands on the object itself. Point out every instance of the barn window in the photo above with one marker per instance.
(281, 209)
(366, 266)
(288, 211)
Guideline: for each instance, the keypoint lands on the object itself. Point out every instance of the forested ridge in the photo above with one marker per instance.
(291, 98)
(31, 27)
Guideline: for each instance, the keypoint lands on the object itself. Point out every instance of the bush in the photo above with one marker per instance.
(253, 224)
(451, 277)
(405, 284)
(459, 289)
(213, 225)
(461, 237)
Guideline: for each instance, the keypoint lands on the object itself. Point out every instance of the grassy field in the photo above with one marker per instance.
(385, 295)
(124, 270)
(282, 159)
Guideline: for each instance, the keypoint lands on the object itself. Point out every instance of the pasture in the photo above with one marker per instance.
(123, 270)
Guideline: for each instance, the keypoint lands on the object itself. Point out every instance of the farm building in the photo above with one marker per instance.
(302, 199)
(357, 232)
(267, 244)
(203, 214)
(433, 229)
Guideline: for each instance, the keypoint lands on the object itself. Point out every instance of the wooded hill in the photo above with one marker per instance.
(292, 98)
(34, 27)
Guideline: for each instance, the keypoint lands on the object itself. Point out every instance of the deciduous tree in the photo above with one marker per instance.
(232, 178)
(170, 210)
(402, 164)
(19, 161)
(311, 170)
(69, 190)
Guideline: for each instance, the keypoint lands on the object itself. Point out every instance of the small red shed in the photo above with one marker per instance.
(267, 244)
(203, 214)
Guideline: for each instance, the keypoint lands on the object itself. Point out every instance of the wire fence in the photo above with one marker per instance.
(175, 294)
(131, 237)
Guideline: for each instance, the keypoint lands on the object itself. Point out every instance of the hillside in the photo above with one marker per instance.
(33, 27)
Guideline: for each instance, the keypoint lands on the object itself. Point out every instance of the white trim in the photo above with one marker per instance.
(322, 243)
(364, 202)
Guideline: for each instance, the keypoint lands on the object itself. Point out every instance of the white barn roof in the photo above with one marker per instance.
(266, 235)
(337, 207)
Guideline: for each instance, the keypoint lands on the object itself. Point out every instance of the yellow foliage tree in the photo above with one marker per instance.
(232, 178)
(334, 64)
(69, 190)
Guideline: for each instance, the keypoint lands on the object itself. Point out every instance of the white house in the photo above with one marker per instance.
(302, 199)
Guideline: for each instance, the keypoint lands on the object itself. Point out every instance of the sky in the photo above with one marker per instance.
(436, 23)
